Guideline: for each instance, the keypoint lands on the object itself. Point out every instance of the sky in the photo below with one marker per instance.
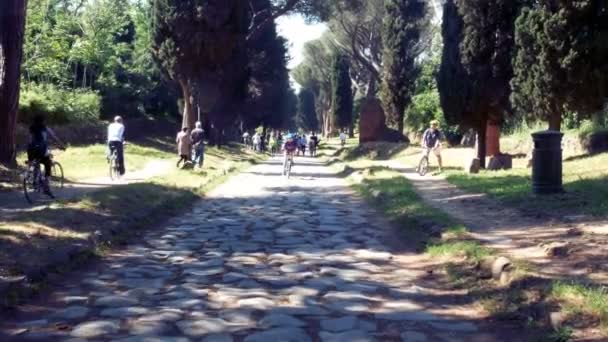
(295, 29)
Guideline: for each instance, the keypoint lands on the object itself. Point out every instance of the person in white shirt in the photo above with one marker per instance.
(116, 139)
(342, 138)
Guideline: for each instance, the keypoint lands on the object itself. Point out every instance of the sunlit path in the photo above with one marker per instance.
(263, 258)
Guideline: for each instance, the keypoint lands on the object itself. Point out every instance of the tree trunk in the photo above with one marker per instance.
(12, 27)
(481, 143)
(351, 130)
(555, 121)
(400, 123)
(188, 117)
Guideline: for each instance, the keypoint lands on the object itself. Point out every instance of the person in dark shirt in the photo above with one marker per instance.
(198, 145)
(431, 142)
(38, 148)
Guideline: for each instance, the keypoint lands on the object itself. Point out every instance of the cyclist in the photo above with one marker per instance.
(116, 140)
(38, 148)
(431, 142)
(290, 147)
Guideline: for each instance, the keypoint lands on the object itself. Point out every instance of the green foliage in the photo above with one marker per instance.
(424, 108)
(342, 92)
(60, 106)
(404, 25)
(562, 59)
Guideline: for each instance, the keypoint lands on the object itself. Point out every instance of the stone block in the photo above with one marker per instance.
(473, 165)
(500, 162)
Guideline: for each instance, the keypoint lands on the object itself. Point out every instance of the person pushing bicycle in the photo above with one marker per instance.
(431, 141)
(38, 148)
(116, 140)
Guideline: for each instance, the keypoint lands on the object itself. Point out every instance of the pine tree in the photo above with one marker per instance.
(562, 59)
(342, 92)
(12, 27)
(404, 25)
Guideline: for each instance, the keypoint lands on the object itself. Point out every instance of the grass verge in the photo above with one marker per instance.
(32, 243)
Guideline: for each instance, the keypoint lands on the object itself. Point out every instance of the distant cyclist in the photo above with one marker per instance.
(38, 148)
(116, 140)
(431, 142)
(290, 147)
(313, 142)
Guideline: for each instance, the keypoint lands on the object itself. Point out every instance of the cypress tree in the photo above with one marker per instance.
(342, 92)
(307, 113)
(562, 59)
(404, 25)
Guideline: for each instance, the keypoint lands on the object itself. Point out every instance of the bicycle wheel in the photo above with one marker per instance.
(423, 167)
(57, 179)
(114, 174)
(28, 187)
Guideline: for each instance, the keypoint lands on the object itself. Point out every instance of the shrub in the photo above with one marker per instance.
(60, 106)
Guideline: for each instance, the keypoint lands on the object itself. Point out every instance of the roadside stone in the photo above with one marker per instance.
(281, 320)
(279, 334)
(413, 336)
(149, 328)
(218, 338)
(557, 249)
(124, 312)
(95, 329)
(72, 312)
(339, 324)
(454, 326)
(351, 336)
(115, 301)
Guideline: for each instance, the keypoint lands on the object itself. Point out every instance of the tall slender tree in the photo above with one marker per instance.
(342, 92)
(307, 113)
(562, 59)
(404, 25)
(476, 66)
(12, 27)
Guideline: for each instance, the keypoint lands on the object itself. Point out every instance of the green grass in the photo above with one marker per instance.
(580, 299)
(585, 182)
(469, 249)
(118, 212)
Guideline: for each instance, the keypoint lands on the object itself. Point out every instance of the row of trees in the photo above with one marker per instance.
(382, 42)
(532, 59)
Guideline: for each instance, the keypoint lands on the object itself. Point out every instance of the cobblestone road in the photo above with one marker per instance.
(262, 259)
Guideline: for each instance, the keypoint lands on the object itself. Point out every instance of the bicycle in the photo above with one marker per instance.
(287, 166)
(34, 179)
(423, 166)
(114, 166)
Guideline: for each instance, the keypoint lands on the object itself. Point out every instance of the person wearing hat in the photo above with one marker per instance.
(290, 147)
(431, 141)
(116, 140)
(198, 145)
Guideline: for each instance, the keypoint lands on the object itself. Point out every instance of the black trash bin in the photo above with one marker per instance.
(547, 162)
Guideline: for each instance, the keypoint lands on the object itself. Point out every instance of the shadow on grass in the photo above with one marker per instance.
(583, 196)
(31, 241)
(374, 151)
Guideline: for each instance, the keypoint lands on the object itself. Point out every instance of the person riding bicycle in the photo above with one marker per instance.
(38, 148)
(290, 147)
(116, 140)
(431, 141)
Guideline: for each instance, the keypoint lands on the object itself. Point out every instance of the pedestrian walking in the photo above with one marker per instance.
(198, 145)
(183, 146)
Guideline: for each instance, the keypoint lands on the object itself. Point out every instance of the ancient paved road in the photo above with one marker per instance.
(261, 259)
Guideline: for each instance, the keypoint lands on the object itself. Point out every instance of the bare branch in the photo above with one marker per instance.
(256, 29)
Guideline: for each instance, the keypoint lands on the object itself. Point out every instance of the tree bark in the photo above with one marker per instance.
(555, 121)
(188, 117)
(400, 123)
(481, 143)
(12, 27)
